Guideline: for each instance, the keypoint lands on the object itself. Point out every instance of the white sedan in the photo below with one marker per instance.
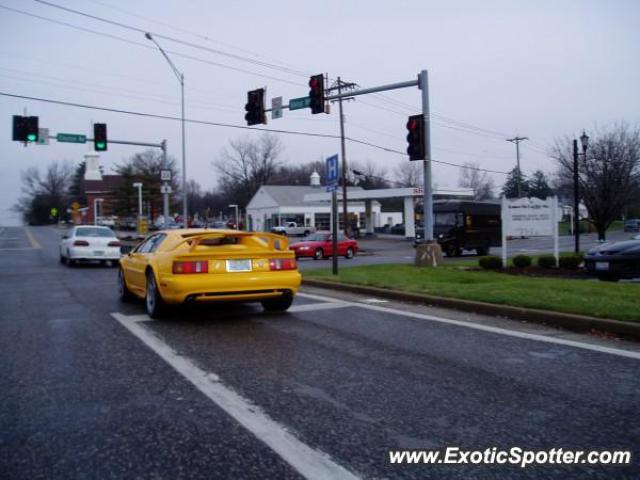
(85, 242)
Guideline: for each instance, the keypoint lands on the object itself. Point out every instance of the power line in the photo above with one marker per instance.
(229, 125)
(144, 45)
(173, 39)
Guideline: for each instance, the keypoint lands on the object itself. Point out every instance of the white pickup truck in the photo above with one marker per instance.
(291, 229)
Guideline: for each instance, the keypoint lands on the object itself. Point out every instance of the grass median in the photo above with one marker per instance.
(618, 301)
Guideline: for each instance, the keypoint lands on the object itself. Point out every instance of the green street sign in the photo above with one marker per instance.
(71, 138)
(298, 103)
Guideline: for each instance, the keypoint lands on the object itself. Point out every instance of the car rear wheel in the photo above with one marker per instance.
(349, 253)
(452, 250)
(69, 261)
(156, 307)
(608, 278)
(124, 293)
(483, 251)
(318, 254)
(280, 304)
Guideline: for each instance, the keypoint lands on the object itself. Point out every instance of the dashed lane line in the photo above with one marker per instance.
(309, 462)
(32, 240)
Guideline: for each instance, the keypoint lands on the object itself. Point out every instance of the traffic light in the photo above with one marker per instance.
(100, 137)
(25, 129)
(415, 138)
(316, 93)
(255, 107)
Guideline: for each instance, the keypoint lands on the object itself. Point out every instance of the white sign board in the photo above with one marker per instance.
(165, 189)
(165, 175)
(529, 217)
(43, 136)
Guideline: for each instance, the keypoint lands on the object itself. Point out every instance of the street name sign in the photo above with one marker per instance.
(71, 138)
(299, 103)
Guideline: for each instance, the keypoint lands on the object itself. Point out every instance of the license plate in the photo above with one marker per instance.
(98, 253)
(238, 265)
(602, 265)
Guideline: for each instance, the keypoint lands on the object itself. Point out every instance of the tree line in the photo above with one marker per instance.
(609, 178)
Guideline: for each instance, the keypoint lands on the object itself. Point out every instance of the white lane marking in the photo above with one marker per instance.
(375, 300)
(316, 306)
(488, 328)
(309, 462)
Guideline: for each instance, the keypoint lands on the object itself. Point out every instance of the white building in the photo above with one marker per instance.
(273, 205)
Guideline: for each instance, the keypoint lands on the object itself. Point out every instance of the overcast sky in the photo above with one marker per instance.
(541, 69)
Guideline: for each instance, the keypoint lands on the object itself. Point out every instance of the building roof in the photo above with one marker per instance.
(107, 184)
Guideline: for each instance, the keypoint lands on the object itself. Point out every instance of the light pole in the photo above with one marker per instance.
(138, 185)
(234, 205)
(180, 77)
(584, 140)
(95, 209)
(517, 141)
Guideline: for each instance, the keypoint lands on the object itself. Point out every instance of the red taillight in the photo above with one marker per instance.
(80, 243)
(196, 266)
(114, 244)
(282, 264)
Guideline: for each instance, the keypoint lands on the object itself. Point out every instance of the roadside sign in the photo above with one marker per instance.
(43, 136)
(164, 189)
(54, 212)
(332, 170)
(276, 108)
(75, 206)
(71, 138)
(165, 175)
(332, 188)
(299, 103)
(143, 225)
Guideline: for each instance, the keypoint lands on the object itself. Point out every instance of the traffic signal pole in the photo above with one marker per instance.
(427, 203)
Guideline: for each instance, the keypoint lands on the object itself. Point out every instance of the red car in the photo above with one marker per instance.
(320, 245)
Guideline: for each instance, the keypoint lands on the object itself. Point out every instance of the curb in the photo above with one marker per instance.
(570, 321)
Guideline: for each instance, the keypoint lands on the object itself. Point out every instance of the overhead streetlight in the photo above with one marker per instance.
(180, 77)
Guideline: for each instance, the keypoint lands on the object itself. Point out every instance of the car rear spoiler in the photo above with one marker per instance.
(272, 241)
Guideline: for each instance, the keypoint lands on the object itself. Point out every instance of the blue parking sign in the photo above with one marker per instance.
(332, 170)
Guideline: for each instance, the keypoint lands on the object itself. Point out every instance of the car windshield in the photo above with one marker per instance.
(316, 237)
(94, 232)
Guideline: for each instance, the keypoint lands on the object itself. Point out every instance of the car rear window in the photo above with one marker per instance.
(94, 232)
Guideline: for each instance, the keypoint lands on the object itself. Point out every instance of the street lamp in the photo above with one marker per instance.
(584, 140)
(138, 185)
(180, 77)
(234, 205)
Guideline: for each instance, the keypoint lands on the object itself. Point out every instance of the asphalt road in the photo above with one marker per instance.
(92, 388)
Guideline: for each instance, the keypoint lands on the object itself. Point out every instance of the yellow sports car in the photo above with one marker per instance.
(200, 265)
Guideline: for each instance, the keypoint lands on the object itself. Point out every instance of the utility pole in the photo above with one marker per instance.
(517, 141)
(345, 208)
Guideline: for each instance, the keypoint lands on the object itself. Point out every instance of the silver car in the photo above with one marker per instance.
(86, 242)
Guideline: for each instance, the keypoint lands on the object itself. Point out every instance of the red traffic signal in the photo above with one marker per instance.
(255, 107)
(415, 138)
(316, 94)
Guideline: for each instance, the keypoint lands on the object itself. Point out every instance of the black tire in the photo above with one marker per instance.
(349, 253)
(279, 304)
(62, 260)
(124, 294)
(483, 251)
(318, 254)
(156, 308)
(306, 233)
(452, 250)
(608, 278)
(69, 261)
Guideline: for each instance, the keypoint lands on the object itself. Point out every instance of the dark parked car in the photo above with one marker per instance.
(613, 261)
(465, 225)
(632, 225)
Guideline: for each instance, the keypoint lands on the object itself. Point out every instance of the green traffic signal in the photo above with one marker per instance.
(32, 137)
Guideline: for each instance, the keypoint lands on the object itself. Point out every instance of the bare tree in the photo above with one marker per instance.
(409, 174)
(480, 182)
(609, 175)
(246, 165)
(42, 192)
(368, 176)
